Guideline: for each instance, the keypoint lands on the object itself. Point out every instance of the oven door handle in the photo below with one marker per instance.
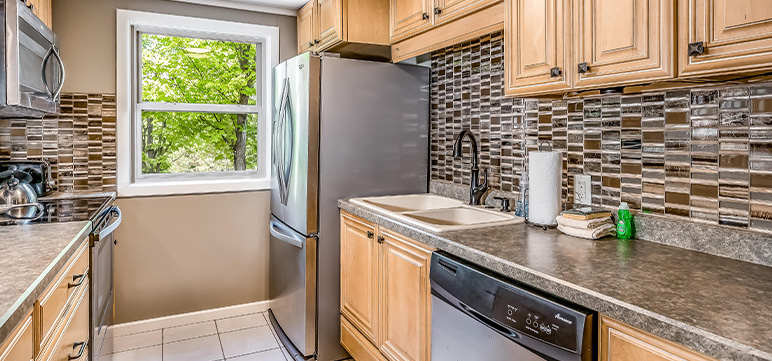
(111, 228)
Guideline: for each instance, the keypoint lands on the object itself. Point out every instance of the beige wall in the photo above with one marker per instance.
(187, 253)
(86, 31)
(181, 253)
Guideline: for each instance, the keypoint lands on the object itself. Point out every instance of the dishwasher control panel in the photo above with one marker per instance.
(537, 317)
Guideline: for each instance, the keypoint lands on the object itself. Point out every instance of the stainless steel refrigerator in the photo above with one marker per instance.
(342, 128)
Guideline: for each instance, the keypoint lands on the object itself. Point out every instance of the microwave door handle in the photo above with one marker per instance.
(111, 228)
(61, 74)
(43, 71)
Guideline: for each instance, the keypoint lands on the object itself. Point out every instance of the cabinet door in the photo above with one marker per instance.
(620, 342)
(307, 27)
(537, 46)
(19, 346)
(330, 20)
(359, 274)
(447, 10)
(409, 17)
(735, 36)
(405, 307)
(620, 42)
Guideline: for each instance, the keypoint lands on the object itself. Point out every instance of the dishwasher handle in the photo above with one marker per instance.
(487, 321)
(286, 234)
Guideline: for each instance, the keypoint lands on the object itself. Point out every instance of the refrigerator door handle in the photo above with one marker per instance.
(285, 234)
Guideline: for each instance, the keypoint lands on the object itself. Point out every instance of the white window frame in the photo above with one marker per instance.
(131, 24)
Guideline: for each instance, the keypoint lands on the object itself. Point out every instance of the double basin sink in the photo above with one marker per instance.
(435, 213)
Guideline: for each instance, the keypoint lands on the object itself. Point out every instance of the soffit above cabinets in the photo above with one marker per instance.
(281, 7)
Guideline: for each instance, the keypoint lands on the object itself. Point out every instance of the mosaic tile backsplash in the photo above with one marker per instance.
(79, 142)
(703, 154)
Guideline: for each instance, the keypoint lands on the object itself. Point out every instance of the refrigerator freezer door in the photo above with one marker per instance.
(295, 143)
(293, 285)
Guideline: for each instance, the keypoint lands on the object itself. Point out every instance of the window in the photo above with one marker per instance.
(192, 104)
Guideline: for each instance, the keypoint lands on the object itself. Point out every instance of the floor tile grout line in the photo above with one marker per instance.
(219, 339)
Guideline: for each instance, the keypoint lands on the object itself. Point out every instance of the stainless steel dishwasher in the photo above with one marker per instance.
(478, 315)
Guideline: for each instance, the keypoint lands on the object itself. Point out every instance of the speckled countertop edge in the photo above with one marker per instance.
(18, 310)
(667, 328)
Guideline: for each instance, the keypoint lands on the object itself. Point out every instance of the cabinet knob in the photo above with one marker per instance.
(316, 41)
(380, 239)
(370, 234)
(310, 43)
(555, 72)
(426, 16)
(696, 48)
(437, 10)
(583, 68)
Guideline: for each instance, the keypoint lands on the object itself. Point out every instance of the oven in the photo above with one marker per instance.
(102, 241)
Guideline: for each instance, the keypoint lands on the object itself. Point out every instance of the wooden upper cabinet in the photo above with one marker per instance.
(724, 36)
(330, 22)
(409, 17)
(307, 27)
(405, 307)
(620, 342)
(621, 42)
(537, 46)
(448, 10)
(359, 274)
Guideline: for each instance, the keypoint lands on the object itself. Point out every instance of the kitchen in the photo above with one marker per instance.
(383, 179)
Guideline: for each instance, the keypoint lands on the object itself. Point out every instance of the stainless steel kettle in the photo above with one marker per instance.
(18, 200)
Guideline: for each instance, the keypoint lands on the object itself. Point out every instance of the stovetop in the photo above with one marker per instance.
(64, 210)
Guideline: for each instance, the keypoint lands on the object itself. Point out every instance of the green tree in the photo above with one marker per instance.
(187, 70)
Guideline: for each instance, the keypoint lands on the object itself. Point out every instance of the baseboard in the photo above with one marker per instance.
(186, 318)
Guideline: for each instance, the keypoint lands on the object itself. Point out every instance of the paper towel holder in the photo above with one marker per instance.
(544, 146)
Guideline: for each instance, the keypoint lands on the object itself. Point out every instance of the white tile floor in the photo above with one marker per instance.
(197, 337)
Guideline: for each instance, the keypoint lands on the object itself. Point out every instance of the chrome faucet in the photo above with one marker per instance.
(476, 190)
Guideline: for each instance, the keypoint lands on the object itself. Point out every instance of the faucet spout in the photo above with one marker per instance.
(476, 190)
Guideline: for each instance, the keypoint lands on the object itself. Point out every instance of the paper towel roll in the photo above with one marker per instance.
(545, 172)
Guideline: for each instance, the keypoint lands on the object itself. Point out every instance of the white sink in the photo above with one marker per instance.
(408, 203)
(435, 213)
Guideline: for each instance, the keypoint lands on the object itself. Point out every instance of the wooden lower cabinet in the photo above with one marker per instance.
(385, 293)
(620, 342)
(70, 341)
(405, 299)
(20, 345)
(359, 274)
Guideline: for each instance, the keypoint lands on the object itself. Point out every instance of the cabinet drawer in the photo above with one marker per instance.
(73, 334)
(19, 345)
(356, 344)
(69, 282)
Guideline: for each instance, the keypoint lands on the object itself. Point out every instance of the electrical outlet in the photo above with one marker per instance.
(582, 189)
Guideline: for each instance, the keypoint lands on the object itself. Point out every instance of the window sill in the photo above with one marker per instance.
(188, 186)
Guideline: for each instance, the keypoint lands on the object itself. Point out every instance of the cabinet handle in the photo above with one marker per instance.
(583, 68)
(310, 43)
(370, 234)
(555, 72)
(437, 11)
(696, 48)
(380, 239)
(316, 41)
(82, 346)
(426, 16)
(80, 278)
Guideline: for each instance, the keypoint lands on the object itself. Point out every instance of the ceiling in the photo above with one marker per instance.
(283, 7)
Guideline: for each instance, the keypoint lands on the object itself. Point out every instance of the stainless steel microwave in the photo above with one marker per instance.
(31, 69)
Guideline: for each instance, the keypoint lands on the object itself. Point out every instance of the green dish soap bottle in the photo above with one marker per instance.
(625, 223)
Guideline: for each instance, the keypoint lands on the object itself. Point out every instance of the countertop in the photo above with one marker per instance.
(717, 306)
(30, 258)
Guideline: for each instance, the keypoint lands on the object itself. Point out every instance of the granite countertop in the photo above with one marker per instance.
(30, 258)
(717, 306)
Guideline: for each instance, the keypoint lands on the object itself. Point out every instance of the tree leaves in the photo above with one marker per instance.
(188, 70)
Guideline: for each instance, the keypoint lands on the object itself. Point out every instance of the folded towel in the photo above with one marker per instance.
(587, 224)
(596, 233)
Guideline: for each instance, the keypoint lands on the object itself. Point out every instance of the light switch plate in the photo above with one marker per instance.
(582, 189)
